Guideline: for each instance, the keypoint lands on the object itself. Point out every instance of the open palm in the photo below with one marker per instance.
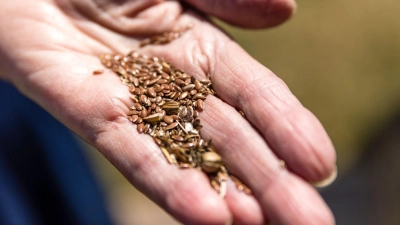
(48, 50)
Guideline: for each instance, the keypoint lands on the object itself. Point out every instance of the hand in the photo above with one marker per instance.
(48, 50)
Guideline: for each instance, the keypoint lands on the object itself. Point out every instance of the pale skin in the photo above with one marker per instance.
(49, 49)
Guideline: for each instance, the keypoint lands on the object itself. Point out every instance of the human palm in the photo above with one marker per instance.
(50, 48)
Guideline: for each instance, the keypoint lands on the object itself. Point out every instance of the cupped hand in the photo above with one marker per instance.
(49, 49)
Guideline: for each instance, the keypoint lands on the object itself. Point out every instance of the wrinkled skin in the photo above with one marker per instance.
(48, 50)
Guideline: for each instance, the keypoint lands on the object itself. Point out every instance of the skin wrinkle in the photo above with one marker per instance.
(218, 120)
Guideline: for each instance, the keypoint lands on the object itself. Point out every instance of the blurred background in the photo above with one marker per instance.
(342, 60)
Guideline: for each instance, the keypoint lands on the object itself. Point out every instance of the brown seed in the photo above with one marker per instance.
(200, 105)
(188, 87)
(183, 95)
(165, 76)
(168, 119)
(139, 120)
(143, 113)
(179, 82)
(134, 118)
(162, 81)
(197, 85)
(159, 88)
(171, 126)
(133, 112)
(183, 112)
(158, 141)
(195, 114)
(140, 127)
(193, 92)
(97, 72)
(188, 145)
(166, 86)
(146, 83)
(177, 138)
(135, 81)
(187, 81)
(132, 88)
(177, 88)
(143, 99)
(138, 106)
(205, 81)
(163, 124)
(151, 92)
(158, 99)
(136, 91)
(146, 128)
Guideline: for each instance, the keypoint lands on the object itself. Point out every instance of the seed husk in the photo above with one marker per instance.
(211, 162)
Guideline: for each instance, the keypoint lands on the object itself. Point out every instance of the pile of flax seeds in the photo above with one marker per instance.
(166, 103)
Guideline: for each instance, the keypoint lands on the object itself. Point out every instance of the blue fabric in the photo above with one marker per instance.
(44, 175)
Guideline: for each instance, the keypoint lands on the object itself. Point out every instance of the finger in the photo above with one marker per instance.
(249, 14)
(185, 194)
(293, 133)
(283, 197)
(244, 207)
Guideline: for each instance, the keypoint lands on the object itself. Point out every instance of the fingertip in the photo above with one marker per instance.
(327, 181)
(198, 203)
(290, 200)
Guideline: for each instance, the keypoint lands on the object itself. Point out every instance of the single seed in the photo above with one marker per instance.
(197, 85)
(138, 106)
(183, 112)
(140, 127)
(146, 128)
(171, 126)
(135, 81)
(159, 88)
(143, 113)
(143, 99)
(188, 87)
(97, 72)
(151, 92)
(183, 95)
(188, 145)
(139, 120)
(162, 81)
(165, 76)
(134, 118)
(132, 88)
(133, 112)
(166, 86)
(158, 141)
(177, 138)
(211, 162)
(168, 119)
(179, 82)
(200, 105)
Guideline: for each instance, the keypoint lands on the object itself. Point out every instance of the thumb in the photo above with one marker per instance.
(254, 14)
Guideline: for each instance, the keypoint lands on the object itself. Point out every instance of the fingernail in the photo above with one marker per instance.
(326, 182)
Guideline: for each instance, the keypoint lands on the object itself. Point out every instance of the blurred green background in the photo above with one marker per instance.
(341, 59)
